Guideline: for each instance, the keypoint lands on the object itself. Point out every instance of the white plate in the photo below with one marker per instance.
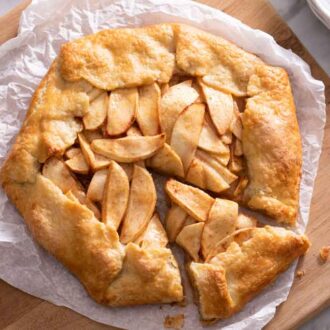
(321, 8)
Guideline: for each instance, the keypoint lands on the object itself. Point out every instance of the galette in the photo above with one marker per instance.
(217, 121)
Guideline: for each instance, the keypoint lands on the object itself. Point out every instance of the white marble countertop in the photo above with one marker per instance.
(316, 38)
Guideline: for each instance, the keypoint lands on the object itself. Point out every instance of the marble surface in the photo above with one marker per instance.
(316, 38)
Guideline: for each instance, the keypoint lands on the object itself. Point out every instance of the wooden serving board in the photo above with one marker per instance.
(308, 296)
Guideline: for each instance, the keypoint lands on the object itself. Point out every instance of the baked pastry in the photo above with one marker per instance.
(182, 102)
(230, 257)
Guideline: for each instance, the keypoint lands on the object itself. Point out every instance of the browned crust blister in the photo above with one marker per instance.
(120, 275)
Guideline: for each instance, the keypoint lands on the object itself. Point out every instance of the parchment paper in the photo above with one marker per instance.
(44, 26)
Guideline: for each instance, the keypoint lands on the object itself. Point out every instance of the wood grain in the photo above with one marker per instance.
(308, 296)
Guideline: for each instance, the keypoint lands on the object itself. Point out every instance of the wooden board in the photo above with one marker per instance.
(308, 295)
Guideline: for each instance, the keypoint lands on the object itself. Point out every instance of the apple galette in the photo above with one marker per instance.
(176, 100)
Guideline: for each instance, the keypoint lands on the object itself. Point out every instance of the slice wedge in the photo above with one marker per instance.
(192, 200)
(186, 132)
(220, 106)
(175, 220)
(121, 110)
(78, 163)
(115, 197)
(147, 113)
(173, 102)
(221, 222)
(97, 112)
(154, 236)
(95, 161)
(223, 171)
(141, 205)
(196, 174)
(209, 140)
(190, 239)
(96, 187)
(167, 161)
(74, 151)
(129, 149)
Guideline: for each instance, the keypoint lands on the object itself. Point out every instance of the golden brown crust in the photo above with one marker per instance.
(148, 276)
(222, 64)
(272, 146)
(235, 276)
(133, 57)
(121, 57)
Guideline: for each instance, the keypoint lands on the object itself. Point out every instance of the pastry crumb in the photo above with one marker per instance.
(300, 274)
(174, 322)
(324, 253)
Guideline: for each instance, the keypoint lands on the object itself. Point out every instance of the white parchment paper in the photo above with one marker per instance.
(44, 26)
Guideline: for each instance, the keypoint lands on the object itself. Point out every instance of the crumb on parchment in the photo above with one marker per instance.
(324, 253)
(174, 322)
(300, 274)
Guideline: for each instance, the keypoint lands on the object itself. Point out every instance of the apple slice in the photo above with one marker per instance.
(56, 171)
(97, 112)
(121, 110)
(175, 220)
(96, 187)
(74, 151)
(204, 176)
(195, 174)
(129, 149)
(190, 239)
(213, 179)
(242, 184)
(236, 126)
(173, 102)
(227, 138)
(236, 163)
(147, 113)
(189, 221)
(95, 161)
(238, 148)
(167, 161)
(154, 236)
(223, 159)
(141, 205)
(221, 222)
(186, 132)
(193, 200)
(209, 140)
(94, 93)
(128, 168)
(84, 200)
(115, 196)
(78, 163)
(223, 171)
(221, 107)
(134, 131)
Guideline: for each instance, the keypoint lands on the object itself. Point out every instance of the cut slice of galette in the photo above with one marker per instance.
(184, 103)
(230, 256)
